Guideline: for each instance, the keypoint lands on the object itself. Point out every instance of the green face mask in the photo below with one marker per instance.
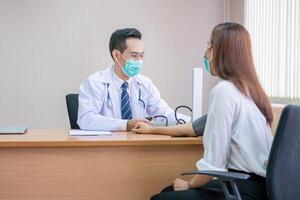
(207, 61)
(207, 64)
(132, 67)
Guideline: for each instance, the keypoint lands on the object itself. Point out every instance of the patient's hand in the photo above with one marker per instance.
(180, 184)
(132, 123)
(142, 128)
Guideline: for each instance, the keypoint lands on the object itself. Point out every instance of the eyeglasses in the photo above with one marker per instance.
(210, 42)
(134, 55)
(209, 45)
(137, 55)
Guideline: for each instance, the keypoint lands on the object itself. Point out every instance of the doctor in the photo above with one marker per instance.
(117, 98)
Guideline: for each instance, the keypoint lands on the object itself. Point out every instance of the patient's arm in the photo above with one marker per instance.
(178, 130)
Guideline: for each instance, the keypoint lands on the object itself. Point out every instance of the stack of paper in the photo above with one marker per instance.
(76, 132)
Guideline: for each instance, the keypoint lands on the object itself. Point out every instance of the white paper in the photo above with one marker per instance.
(74, 132)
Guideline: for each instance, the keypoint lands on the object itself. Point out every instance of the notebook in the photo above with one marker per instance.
(11, 130)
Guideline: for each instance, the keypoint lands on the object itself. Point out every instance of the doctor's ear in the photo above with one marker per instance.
(116, 55)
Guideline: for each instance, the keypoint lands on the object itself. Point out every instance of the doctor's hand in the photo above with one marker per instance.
(132, 123)
(142, 128)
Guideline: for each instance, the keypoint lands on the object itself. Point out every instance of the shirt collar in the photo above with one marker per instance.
(117, 81)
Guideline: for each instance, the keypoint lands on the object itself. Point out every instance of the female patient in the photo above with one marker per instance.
(237, 134)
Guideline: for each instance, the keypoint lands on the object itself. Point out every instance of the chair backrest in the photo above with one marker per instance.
(72, 106)
(283, 171)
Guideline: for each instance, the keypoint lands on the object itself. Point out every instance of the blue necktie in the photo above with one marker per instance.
(125, 103)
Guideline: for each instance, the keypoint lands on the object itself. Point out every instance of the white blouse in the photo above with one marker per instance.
(236, 134)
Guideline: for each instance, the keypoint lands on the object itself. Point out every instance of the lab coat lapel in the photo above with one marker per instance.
(114, 95)
(133, 97)
(137, 108)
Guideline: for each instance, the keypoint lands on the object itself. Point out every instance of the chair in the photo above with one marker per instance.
(282, 179)
(72, 106)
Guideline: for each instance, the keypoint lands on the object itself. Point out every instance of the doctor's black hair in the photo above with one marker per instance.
(118, 38)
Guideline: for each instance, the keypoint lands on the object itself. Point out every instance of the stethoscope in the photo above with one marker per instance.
(178, 120)
(109, 101)
(140, 96)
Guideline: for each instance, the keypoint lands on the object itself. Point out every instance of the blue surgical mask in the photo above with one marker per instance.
(132, 67)
(207, 64)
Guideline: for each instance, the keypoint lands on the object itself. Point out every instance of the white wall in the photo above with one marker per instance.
(47, 47)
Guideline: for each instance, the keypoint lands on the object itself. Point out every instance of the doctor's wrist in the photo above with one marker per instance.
(129, 125)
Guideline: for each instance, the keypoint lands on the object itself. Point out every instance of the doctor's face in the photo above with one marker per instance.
(134, 51)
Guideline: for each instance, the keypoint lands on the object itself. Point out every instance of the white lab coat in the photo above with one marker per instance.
(99, 102)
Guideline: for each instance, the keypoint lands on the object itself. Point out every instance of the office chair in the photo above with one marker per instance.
(72, 106)
(283, 179)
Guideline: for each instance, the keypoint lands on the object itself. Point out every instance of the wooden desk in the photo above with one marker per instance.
(48, 164)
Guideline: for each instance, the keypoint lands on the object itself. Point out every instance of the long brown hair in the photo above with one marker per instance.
(233, 61)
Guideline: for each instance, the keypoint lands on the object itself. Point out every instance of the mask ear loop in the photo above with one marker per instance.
(209, 47)
(117, 61)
